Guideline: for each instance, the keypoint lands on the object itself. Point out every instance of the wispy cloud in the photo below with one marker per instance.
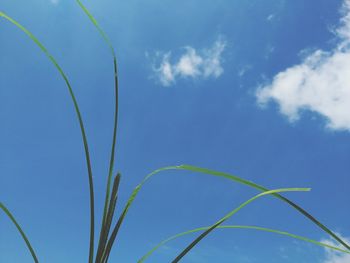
(333, 256)
(243, 70)
(321, 83)
(270, 17)
(192, 63)
(55, 2)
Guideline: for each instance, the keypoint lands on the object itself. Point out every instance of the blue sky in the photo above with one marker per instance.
(255, 88)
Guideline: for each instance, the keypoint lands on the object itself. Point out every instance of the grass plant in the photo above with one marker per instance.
(110, 224)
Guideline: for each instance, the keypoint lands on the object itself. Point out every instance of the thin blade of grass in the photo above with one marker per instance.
(115, 126)
(284, 233)
(96, 24)
(109, 218)
(217, 174)
(81, 124)
(125, 211)
(262, 188)
(111, 163)
(230, 214)
(24, 237)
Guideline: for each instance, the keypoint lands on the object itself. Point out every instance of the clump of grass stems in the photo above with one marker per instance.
(108, 235)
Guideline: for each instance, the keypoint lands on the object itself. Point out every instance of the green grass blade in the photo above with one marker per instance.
(115, 126)
(109, 218)
(221, 175)
(106, 39)
(261, 188)
(149, 253)
(230, 214)
(26, 240)
(96, 24)
(81, 124)
(126, 209)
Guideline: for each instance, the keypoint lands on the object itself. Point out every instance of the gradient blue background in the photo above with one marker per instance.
(214, 123)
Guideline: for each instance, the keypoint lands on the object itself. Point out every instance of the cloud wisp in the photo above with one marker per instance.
(320, 84)
(192, 64)
(334, 256)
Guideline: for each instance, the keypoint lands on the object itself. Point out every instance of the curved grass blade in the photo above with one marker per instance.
(149, 253)
(109, 218)
(230, 214)
(96, 24)
(81, 124)
(111, 163)
(261, 188)
(125, 211)
(26, 240)
(115, 126)
(217, 174)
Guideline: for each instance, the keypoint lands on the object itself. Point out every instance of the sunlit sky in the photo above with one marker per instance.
(258, 89)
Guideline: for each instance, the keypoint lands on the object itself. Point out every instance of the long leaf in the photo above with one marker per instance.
(262, 188)
(230, 214)
(115, 126)
(149, 253)
(26, 240)
(126, 209)
(221, 175)
(81, 124)
(109, 218)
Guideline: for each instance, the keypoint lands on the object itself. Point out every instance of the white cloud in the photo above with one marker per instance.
(191, 64)
(55, 2)
(321, 83)
(165, 71)
(244, 70)
(270, 17)
(333, 256)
